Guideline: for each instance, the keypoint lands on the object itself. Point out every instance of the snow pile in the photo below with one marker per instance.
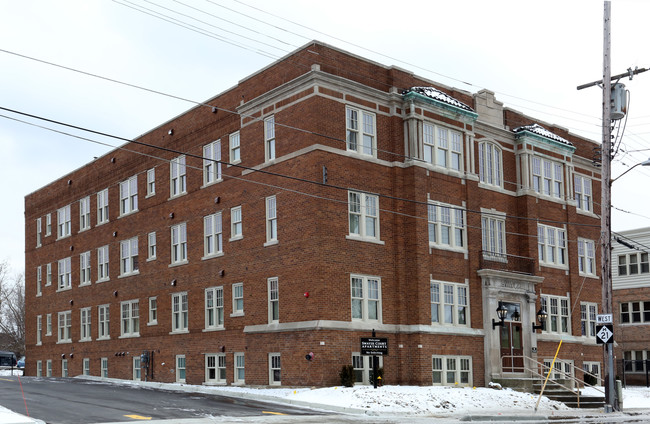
(539, 130)
(436, 94)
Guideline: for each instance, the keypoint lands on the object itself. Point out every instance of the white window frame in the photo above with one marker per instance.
(559, 314)
(269, 138)
(180, 313)
(102, 207)
(493, 236)
(48, 325)
(235, 148)
(64, 368)
(64, 224)
(48, 368)
(363, 216)
(103, 322)
(177, 176)
(151, 246)
(362, 365)
(586, 257)
(129, 258)
(365, 297)
(212, 163)
(85, 366)
(237, 299)
(629, 311)
(85, 324)
(552, 246)
(214, 308)
(39, 280)
(490, 164)
(271, 221)
(442, 147)
(236, 223)
(39, 232)
(583, 193)
(129, 321)
(151, 182)
(181, 369)
(361, 134)
(85, 277)
(65, 327)
(84, 214)
(65, 274)
(129, 196)
(102, 264)
(103, 367)
(458, 367)
(137, 371)
(179, 244)
(239, 363)
(633, 264)
(588, 312)
(273, 287)
(547, 177)
(212, 235)
(447, 229)
(39, 368)
(48, 225)
(39, 330)
(48, 274)
(215, 368)
(153, 311)
(594, 368)
(450, 303)
(275, 369)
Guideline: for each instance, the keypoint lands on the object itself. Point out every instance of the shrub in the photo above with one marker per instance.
(347, 376)
(590, 380)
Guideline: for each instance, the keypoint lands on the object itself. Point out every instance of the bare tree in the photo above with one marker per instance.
(12, 311)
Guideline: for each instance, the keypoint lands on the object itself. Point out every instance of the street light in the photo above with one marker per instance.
(541, 317)
(645, 163)
(502, 312)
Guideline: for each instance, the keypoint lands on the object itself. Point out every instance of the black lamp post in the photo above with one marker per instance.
(502, 312)
(541, 317)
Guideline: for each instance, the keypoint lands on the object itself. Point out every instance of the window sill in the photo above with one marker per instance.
(179, 263)
(124, 214)
(447, 248)
(153, 258)
(237, 314)
(83, 230)
(150, 195)
(236, 238)
(64, 342)
(62, 237)
(364, 239)
(129, 336)
(271, 243)
(85, 340)
(149, 324)
(103, 280)
(102, 338)
(39, 294)
(551, 265)
(48, 284)
(128, 274)
(586, 213)
(176, 196)
(101, 223)
(211, 183)
(85, 284)
(208, 330)
(63, 289)
(179, 332)
(581, 274)
(212, 256)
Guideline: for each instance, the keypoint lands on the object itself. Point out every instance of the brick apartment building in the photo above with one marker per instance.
(321, 198)
(631, 295)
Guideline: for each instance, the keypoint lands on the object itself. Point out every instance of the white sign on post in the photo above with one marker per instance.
(604, 319)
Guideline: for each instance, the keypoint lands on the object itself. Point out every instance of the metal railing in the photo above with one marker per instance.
(636, 367)
(504, 262)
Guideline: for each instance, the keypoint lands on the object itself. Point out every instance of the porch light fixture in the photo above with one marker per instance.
(502, 312)
(516, 315)
(541, 317)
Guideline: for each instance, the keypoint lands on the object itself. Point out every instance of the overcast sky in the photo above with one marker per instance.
(533, 54)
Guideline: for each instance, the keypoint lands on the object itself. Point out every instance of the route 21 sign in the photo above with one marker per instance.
(604, 333)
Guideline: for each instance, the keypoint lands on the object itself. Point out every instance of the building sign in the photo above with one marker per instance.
(604, 333)
(375, 346)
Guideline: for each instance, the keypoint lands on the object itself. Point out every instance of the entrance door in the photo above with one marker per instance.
(512, 352)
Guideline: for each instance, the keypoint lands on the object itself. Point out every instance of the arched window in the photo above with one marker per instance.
(489, 164)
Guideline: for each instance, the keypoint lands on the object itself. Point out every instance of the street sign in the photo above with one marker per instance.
(375, 346)
(604, 319)
(604, 333)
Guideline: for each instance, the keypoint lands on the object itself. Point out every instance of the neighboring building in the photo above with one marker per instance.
(321, 198)
(631, 303)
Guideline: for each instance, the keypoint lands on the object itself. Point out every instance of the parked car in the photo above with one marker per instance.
(21, 362)
(7, 359)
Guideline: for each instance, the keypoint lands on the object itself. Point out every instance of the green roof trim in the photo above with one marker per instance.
(439, 104)
(525, 133)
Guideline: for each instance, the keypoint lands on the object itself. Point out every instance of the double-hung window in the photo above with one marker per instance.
(129, 263)
(84, 269)
(48, 275)
(39, 232)
(269, 138)
(65, 327)
(180, 368)
(271, 220)
(102, 206)
(442, 147)
(582, 193)
(586, 257)
(63, 222)
(85, 324)
(360, 131)
(153, 311)
(240, 368)
(366, 298)
(449, 303)
(48, 225)
(215, 368)
(363, 214)
(557, 307)
(275, 369)
(130, 318)
(212, 235)
(129, 195)
(65, 273)
(236, 223)
(48, 325)
(102, 263)
(452, 370)
(238, 299)
(102, 322)
(177, 172)
(235, 148)
(489, 164)
(212, 162)
(213, 308)
(84, 213)
(39, 280)
(493, 232)
(151, 246)
(151, 182)
(635, 312)
(551, 242)
(39, 330)
(274, 300)
(588, 311)
(547, 177)
(179, 243)
(180, 313)
(446, 226)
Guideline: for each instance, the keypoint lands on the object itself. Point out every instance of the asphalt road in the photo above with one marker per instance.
(74, 401)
